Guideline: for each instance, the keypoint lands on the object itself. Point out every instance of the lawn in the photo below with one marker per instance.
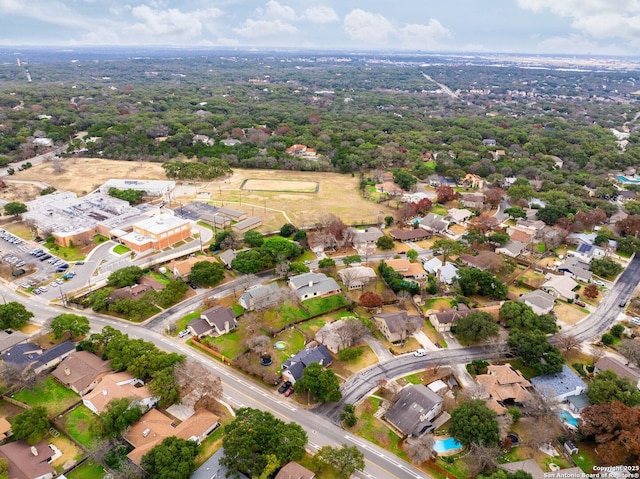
(69, 253)
(289, 313)
(373, 430)
(160, 278)
(586, 458)
(121, 249)
(437, 304)
(99, 239)
(294, 342)
(439, 210)
(71, 452)
(317, 306)
(312, 326)
(182, 322)
(526, 371)
(87, 470)
(50, 394)
(410, 345)
(228, 344)
(347, 368)
(79, 424)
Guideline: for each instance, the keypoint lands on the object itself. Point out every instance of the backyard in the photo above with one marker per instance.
(79, 424)
(317, 306)
(87, 470)
(49, 394)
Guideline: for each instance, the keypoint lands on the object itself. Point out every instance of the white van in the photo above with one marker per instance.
(418, 353)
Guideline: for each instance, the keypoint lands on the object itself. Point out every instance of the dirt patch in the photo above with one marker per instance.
(568, 313)
(280, 185)
(20, 192)
(457, 229)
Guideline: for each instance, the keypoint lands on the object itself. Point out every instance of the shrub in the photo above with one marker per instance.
(608, 339)
(349, 354)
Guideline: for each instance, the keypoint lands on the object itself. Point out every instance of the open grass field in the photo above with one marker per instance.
(348, 368)
(49, 394)
(336, 193)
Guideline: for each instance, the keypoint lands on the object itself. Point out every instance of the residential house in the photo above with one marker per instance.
(81, 371)
(302, 151)
(415, 234)
(28, 355)
(498, 154)
(559, 386)
(443, 320)
(155, 426)
(432, 265)
(414, 410)
(230, 142)
(414, 197)
(523, 235)
(532, 225)
(621, 369)
(5, 429)
(136, 291)
(313, 285)
(29, 462)
(489, 142)
(203, 139)
(512, 249)
(216, 321)
(293, 470)
(331, 336)
(444, 273)
(293, 368)
(367, 236)
(587, 252)
(484, 261)
(560, 286)
(458, 216)
(260, 296)
(182, 268)
(395, 326)
(9, 338)
(246, 224)
(21, 355)
(355, 277)
(538, 300)
(472, 181)
(213, 464)
(117, 386)
(407, 269)
(434, 223)
(475, 201)
(505, 386)
(576, 269)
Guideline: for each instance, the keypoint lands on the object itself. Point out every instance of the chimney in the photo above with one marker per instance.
(310, 283)
(104, 392)
(67, 371)
(34, 451)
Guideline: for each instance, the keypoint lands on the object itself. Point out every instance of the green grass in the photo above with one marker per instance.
(317, 306)
(237, 310)
(179, 243)
(79, 424)
(99, 239)
(457, 469)
(87, 470)
(294, 341)
(307, 256)
(586, 458)
(121, 249)
(182, 322)
(160, 278)
(540, 248)
(228, 344)
(206, 225)
(439, 210)
(415, 378)
(289, 313)
(312, 326)
(69, 253)
(372, 429)
(526, 371)
(50, 394)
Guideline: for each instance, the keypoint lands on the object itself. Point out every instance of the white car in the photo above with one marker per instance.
(597, 282)
(418, 353)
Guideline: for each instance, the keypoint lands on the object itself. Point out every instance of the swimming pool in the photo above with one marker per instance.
(625, 179)
(568, 419)
(446, 445)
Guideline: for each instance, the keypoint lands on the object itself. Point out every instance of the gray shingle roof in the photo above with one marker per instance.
(414, 402)
(552, 385)
(54, 352)
(303, 358)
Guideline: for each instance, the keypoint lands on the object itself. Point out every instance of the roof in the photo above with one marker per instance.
(530, 466)
(504, 383)
(408, 235)
(23, 464)
(154, 426)
(310, 283)
(578, 268)
(8, 340)
(183, 267)
(304, 279)
(619, 368)
(553, 385)
(5, 428)
(248, 223)
(293, 470)
(199, 326)
(458, 215)
(319, 354)
(213, 464)
(108, 389)
(161, 223)
(397, 320)
(368, 235)
(448, 272)
(22, 354)
(263, 293)
(561, 283)
(434, 222)
(80, 369)
(451, 315)
(484, 260)
(218, 316)
(540, 299)
(413, 403)
(580, 401)
(520, 235)
(514, 247)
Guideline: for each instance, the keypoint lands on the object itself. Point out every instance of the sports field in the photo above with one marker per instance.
(253, 184)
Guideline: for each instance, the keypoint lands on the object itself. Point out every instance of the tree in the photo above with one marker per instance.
(419, 449)
(4, 468)
(173, 458)
(606, 267)
(520, 190)
(567, 342)
(591, 291)
(405, 180)
(472, 281)
(630, 226)
(132, 196)
(447, 247)
(348, 415)
(253, 435)
(385, 242)
(516, 315)
(281, 248)
(607, 386)
(617, 330)
(326, 263)
(226, 239)
(322, 383)
(370, 300)
(536, 351)
(69, 323)
(476, 326)
(349, 331)
(198, 387)
(118, 415)
(445, 194)
(15, 208)
(631, 350)
(353, 258)
(206, 273)
(14, 315)
(127, 276)
(344, 460)
(388, 221)
(615, 428)
(287, 230)
(495, 195)
(481, 458)
(423, 206)
(500, 474)
(515, 212)
(412, 255)
(31, 425)
(474, 423)
(253, 239)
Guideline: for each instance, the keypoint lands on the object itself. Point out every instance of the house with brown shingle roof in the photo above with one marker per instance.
(24, 464)
(410, 235)
(394, 326)
(484, 261)
(154, 427)
(182, 269)
(619, 368)
(218, 320)
(505, 385)
(293, 470)
(5, 429)
(117, 386)
(407, 269)
(444, 320)
(81, 371)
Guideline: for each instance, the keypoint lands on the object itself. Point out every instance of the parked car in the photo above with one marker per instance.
(597, 282)
(284, 386)
(183, 333)
(288, 392)
(418, 353)
(623, 303)
(580, 303)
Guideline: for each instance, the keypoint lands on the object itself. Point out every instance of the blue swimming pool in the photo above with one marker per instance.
(568, 418)
(446, 445)
(625, 179)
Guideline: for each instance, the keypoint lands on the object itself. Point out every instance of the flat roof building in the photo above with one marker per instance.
(150, 187)
(157, 232)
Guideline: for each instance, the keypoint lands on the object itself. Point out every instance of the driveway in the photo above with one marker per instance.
(424, 341)
(383, 353)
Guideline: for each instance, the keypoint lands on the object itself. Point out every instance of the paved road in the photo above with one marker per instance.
(36, 159)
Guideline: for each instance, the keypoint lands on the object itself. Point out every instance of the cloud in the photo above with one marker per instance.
(416, 36)
(368, 28)
(321, 14)
(576, 44)
(277, 11)
(172, 22)
(264, 28)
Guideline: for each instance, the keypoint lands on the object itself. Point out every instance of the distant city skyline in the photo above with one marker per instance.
(588, 27)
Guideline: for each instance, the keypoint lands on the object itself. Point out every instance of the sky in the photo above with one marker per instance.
(590, 27)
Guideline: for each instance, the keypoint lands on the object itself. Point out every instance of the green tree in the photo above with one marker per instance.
(127, 276)
(472, 281)
(350, 259)
(14, 315)
(118, 415)
(474, 423)
(253, 239)
(31, 425)
(173, 458)
(385, 242)
(15, 208)
(224, 240)
(500, 474)
(412, 255)
(165, 387)
(515, 212)
(536, 351)
(476, 326)
(4, 468)
(287, 230)
(345, 460)
(606, 267)
(206, 273)
(388, 221)
(73, 324)
(322, 383)
(348, 415)
(132, 196)
(252, 261)
(254, 435)
(447, 247)
(300, 236)
(326, 263)
(516, 315)
(405, 180)
(520, 190)
(281, 248)
(607, 387)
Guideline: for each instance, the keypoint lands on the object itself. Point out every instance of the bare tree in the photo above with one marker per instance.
(282, 269)
(404, 297)
(349, 331)
(408, 326)
(537, 406)
(57, 165)
(567, 342)
(481, 458)
(14, 376)
(258, 344)
(630, 348)
(420, 449)
(198, 387)
(349, 276)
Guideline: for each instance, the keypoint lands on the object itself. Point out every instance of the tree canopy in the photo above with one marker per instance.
(206, 273)
(118, 415)
(516, 315)
(132, 196)
(607, 386)
(173, 458)
(14, 315)
(73, 324)
(15, 208)
(536, 351)
(31, 425)
(127, 276)
(474, 423)
(322, 383)
(344, 460)
(255, 435)
(472, 281)
(606, 267)
(476, 326)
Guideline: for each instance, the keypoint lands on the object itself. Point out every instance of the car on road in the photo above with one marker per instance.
(284, 386)
(580, 303)
(78, 263)
(623, 303)
(288, 392)
(418, 353)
